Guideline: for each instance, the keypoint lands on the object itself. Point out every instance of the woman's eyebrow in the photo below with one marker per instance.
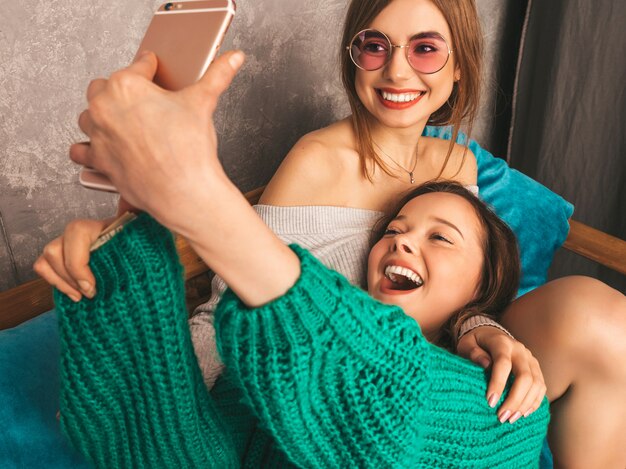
(438, 220)
(450, 224)
(427, 34)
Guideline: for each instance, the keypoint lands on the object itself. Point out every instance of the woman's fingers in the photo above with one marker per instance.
(77, 240)
(95, 88)
(43, 268)
(85, 123)
(50, 276)
(509, 357)
(499, 375)
(218, 77)
(535, 395)
(64, 262)
(528, 388)
(79, 153)
(144, 65)
(510, 408)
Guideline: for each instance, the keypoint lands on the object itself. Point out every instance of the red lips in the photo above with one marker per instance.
(394, 105)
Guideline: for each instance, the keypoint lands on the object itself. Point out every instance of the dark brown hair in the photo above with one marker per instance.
(500, 274)
(467, 46)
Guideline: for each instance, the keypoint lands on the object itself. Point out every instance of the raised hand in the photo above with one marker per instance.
(156, 146)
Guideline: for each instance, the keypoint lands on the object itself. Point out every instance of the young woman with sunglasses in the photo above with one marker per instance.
(340, 178)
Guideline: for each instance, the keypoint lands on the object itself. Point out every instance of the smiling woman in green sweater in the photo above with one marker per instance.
(318, 373)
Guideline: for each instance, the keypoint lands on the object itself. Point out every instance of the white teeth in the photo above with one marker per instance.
(401, 98)
(391, 272)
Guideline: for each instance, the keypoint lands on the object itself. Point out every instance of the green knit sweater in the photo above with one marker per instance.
(324, 376)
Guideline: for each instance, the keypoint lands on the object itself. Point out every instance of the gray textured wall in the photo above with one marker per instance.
(49, 51)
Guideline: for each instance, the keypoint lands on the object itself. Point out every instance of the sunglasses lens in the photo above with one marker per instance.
(428, 54)
(370, 50)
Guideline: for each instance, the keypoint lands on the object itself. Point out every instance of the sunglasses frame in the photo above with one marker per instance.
(391, 48)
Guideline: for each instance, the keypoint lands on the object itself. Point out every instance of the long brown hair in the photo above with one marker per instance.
(467, 45)
(500, 274)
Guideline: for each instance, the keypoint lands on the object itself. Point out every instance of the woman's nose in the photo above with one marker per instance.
(398, 67)
(402, 244)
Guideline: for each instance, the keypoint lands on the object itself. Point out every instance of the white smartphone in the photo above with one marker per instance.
(185, 36)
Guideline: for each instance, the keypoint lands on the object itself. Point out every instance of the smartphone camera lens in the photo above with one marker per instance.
(168, 6)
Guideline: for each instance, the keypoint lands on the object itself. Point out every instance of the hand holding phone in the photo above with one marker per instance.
(185, 36)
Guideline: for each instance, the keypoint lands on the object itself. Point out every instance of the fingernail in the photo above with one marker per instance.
(493, 400)
(236, 59)
(528, 412)
(88, 289)
(515, 417)
(74, 298)
(505, 416)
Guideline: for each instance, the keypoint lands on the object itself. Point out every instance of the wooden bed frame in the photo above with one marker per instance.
(33, 298)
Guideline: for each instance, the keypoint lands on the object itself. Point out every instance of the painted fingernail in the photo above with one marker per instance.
(504, 416)
(88, 290)
(528, 412)
(515, 417)
(493, 400)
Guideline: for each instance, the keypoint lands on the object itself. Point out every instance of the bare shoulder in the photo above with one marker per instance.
(310, 168)
(461, 165)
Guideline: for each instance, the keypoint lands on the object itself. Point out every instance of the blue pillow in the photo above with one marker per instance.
(538, 216)
(30, 434)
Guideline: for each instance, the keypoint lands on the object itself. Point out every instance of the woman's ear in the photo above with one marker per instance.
(457, 73)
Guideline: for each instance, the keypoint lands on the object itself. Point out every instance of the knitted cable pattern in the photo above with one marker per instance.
(132, 394)
(324, 376)
(341, 380)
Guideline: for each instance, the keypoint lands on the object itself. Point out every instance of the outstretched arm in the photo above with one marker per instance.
(160, 150)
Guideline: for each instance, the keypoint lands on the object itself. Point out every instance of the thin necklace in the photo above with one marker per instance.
(410, 173)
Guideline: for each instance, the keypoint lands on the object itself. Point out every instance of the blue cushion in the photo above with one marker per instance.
(545, 459)
(30, 434)
(538, 216)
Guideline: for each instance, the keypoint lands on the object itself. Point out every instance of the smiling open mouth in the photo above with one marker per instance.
(401, 278)
(399, 97)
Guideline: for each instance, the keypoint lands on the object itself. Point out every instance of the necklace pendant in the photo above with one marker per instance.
(411, 176)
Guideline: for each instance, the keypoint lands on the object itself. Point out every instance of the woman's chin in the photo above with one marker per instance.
(399, 122)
